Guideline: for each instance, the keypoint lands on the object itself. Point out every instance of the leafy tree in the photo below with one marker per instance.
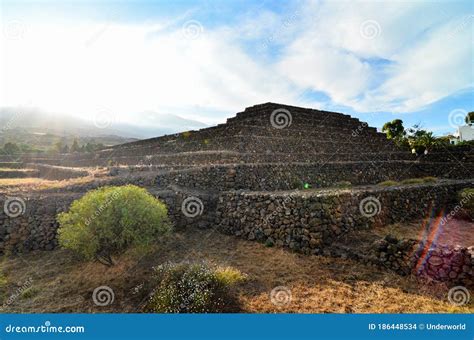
(75, 146)
(470, 117)
(420, 140)
(25, 148)
(11, 148)
(58, 146)
(108, 220)
(394, 129)
(89, 147)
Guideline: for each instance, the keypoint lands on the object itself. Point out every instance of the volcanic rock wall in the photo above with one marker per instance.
(447, 263)
(268, 177)
(30, 223)
(309, 221)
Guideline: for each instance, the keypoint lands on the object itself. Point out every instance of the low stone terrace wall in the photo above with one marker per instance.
(56, 172)
(308, 221)
(11, 165)
(18, 173)
(275, 176)
(448, 263)
(29, 223)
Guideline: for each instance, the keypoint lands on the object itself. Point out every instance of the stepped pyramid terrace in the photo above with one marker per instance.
(290, 177)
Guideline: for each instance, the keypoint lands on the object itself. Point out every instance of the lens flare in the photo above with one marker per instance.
(430, 237)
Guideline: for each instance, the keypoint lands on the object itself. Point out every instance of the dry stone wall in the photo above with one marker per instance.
(201, 176)
(52, 172)
(35, 227)
(452, 264)
(268, 177)
(307, 222)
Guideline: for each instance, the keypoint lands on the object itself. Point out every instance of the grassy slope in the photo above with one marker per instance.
(318, 284)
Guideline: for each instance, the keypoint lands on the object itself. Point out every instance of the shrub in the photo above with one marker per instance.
(388, 183)
(29, 293)
(412, 181)
(297, 184)
(420, 180)
(343, 184)
(229, 276)
(109, 220)
(428, 179)
(192, 288)
(269, 243)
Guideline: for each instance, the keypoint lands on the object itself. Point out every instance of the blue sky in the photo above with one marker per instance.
(207, 60)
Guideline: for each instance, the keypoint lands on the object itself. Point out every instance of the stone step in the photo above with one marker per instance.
(318, 132)
(297, 121)
(220, 157)
(268, 108)
(240, 142)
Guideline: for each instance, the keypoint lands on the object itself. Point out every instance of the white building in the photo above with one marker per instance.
(463, 134)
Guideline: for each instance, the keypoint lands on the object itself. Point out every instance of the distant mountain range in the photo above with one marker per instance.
(32, 125)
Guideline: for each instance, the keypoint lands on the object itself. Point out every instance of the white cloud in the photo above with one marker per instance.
(435, 68)
(127, 68)
(423, 58)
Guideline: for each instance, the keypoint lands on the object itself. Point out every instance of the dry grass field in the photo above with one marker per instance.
(32, 184)
(61, 283)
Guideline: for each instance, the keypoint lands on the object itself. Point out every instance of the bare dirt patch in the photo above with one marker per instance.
(453, 232)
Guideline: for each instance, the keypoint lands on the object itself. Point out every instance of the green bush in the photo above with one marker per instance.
(388, 184)
(297, 184)
(343, 184)
(412, 181)
(109, 220)
(421, 180)
(192, 288)
(428, 179)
